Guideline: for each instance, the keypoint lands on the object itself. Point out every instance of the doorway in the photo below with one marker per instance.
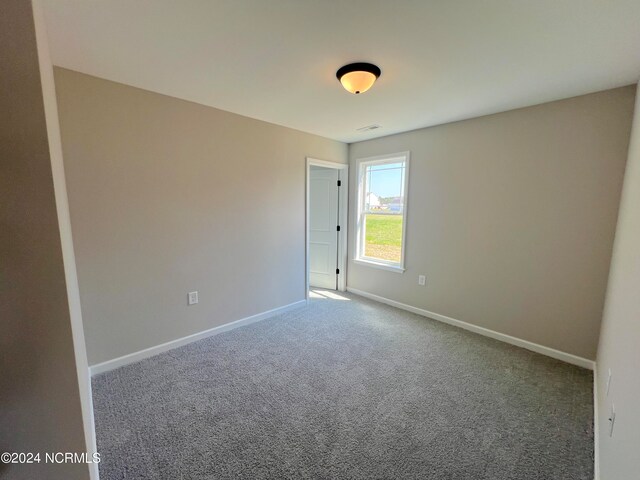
(326, 224)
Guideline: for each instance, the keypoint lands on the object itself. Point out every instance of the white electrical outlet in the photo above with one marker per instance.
(612, 419)
(193, 297)
(422, 280)
(608, 382)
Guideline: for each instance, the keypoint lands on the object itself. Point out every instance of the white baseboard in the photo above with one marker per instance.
(150, 352)
(596, 427)
(550, 352)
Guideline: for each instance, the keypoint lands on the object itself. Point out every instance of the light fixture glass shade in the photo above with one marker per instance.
(358, 77)
(357, 82)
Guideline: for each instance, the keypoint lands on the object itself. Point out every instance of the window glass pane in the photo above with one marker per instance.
(386, 166)
(383, 211)
(383, 237)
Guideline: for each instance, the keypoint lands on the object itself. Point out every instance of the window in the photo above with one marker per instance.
(381, 215)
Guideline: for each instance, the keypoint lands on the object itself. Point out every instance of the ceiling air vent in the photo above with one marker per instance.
(368, 128)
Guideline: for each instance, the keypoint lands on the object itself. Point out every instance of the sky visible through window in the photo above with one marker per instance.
(385, 180)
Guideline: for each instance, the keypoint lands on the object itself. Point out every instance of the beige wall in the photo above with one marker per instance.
(168, 196)
(511, 218)
(40, 407)
(619, 348)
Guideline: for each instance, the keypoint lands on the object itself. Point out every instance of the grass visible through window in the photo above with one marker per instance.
(384, 237)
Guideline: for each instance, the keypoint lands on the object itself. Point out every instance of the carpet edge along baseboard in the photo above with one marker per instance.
(503, 337)
(134, 357)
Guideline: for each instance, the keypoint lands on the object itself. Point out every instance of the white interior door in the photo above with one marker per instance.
(323, 224)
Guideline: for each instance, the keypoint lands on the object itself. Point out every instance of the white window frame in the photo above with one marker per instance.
(360, 226)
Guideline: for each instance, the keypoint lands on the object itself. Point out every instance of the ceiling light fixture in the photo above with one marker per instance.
(358, 77)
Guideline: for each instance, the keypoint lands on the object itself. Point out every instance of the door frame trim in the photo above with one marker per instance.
(343, 205)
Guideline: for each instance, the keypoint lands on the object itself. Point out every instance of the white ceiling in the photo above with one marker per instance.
(275, 60)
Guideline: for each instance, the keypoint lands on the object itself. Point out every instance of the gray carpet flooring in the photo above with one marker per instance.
(346, 388)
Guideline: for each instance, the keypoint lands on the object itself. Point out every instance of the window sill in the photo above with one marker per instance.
(380, 265)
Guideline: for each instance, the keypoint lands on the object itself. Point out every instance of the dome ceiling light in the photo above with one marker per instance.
(358, 77)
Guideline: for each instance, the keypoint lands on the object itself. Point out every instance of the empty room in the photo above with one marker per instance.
(319, 239)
